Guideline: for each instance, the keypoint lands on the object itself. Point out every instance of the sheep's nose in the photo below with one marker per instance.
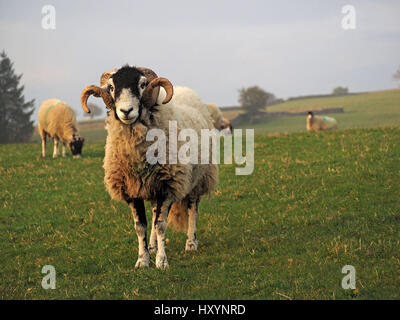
(126, 112)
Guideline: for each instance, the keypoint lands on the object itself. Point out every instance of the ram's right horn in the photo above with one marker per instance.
(97, 92)
(106, 76)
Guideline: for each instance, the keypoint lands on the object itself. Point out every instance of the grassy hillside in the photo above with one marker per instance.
(360, 111)
(314, 203)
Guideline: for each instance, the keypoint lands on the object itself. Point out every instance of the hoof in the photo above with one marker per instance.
(143, 261)
(161, 262)
(191, 245)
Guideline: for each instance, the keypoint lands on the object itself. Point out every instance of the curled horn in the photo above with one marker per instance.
(105, 76)
(148, 73)
(97, 92)
(148, 97)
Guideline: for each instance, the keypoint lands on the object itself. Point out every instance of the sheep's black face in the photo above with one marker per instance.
(226, 129)
(126, 87)
(76, 146)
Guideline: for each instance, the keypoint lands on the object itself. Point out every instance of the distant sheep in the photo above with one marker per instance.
(220, 122)
(186, 96)
(58, 121)
(317, 123)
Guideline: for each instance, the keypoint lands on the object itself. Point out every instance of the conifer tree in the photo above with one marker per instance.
(15, 114)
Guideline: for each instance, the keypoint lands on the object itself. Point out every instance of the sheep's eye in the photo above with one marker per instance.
(111, 88)
(143, 85)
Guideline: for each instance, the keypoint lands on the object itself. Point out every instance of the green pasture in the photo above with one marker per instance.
(314, 203)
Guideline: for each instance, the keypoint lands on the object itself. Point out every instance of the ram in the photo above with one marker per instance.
(57, 120)
(139, 101)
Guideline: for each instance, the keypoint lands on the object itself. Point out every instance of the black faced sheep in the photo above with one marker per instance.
(137, 105)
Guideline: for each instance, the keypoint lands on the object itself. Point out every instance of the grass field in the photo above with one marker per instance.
(315, 203)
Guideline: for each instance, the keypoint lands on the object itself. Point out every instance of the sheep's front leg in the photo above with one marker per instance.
(56, 150)
(139, 215)
(63, 150)
(153, 234)
(193, 210)
(160, 225)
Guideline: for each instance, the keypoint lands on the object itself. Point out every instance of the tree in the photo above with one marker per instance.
(15, 114)
(254, 98)
(340, 91)
(96, 111)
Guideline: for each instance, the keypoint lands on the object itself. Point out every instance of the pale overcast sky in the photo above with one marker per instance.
(289, 48)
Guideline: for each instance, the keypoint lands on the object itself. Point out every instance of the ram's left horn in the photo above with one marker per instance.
(148, 99)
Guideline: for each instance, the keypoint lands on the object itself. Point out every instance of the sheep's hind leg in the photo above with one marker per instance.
(139, 215)
(160, 225)
(44, 145)
(193, 210)
(153, 234)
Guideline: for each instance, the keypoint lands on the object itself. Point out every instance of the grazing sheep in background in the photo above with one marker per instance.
(136, 105)
(318, 123)
(226, 127)
(219, 121)
(186, 96)
(58, 121)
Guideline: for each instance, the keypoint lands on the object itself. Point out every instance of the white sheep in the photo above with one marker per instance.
(57, 120)
(318, 123)
(220, 122)
(186, 96)
(135, 107)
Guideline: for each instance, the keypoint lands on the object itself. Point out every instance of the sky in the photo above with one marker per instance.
(289, 48)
